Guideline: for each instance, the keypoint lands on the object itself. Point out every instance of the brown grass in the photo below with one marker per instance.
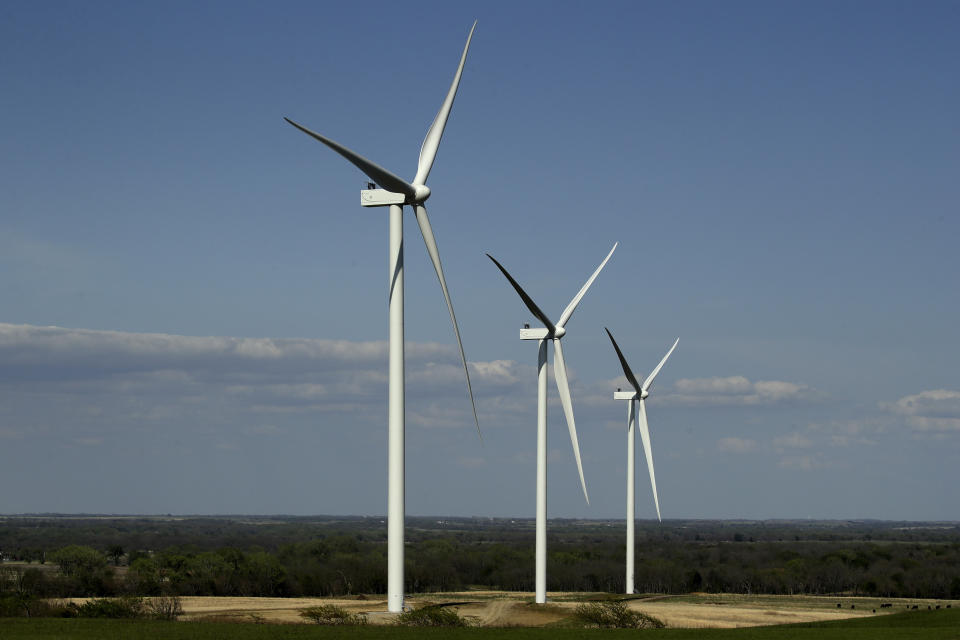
(504, 609)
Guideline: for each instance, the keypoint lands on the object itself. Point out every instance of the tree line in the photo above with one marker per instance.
(348, 557)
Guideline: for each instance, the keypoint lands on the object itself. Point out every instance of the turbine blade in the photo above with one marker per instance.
(374, 171)
(583, 290)
(531, 305)
(560, 373)
(623, 363)
(424, 221)
(649, 380)
(428, 150)
(645, 437)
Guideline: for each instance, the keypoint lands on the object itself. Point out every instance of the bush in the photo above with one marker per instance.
(331, 614)
(614, 614)
(13, 607)
(431, 616)
(165, 608)
(29, 607)
(125, 607)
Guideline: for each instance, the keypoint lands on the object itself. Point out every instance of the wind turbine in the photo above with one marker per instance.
(640, 392)
(398, 193)
(552, 332)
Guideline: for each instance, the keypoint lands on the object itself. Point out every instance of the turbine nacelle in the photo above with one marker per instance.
(542, 333)
(383, 198)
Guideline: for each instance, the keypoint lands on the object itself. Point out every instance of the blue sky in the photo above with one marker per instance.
(781, 178)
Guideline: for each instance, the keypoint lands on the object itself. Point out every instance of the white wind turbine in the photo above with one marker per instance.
(551, 332)
(398, 193)
(640, 392)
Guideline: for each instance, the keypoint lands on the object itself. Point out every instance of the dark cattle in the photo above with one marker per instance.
(838, 605)
(853, 606)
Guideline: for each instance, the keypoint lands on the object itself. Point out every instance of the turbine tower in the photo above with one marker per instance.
(640, 392)
(552, 332)
(397, 193)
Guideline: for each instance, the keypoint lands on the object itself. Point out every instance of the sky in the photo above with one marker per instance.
(193, 305)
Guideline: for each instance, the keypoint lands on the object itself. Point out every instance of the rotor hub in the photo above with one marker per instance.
(559, 332)
(421, 193)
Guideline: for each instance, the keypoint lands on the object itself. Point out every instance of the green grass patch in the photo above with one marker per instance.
(927, 625)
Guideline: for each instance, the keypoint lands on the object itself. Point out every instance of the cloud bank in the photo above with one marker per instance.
(735, 391)
(934, 410)
(57, 376)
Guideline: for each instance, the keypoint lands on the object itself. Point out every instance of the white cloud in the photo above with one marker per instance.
(735, 391)
(500, 372)
(736, 445)
(801, 463)
(792, 441)
(731, 385)
(264, 430)
(844, 433)
(934, 410)
(94, 378)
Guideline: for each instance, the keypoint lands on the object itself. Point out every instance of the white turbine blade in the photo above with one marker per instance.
(560, 373)
(428, 150)
(645, 437)
(649, 380)
(527, 300)
(431, 242)
(583, 290)
(374, 171)
(632, 379)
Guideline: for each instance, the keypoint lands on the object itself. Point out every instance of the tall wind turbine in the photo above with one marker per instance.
(552, 332)
(398, 193)
(640, 392)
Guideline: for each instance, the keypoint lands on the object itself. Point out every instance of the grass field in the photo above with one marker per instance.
(935, 625)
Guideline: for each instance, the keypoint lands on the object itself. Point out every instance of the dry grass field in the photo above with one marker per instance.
(502, 609)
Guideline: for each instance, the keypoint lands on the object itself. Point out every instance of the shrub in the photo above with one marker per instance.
(12, 607)
(125, 607)
(30, 607)
(431, 616)
(165, 608)
(331, 614)
(614, 614)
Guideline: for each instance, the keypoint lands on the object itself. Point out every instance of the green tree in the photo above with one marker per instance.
(144, 577)
(115, 552)
(85, 570)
